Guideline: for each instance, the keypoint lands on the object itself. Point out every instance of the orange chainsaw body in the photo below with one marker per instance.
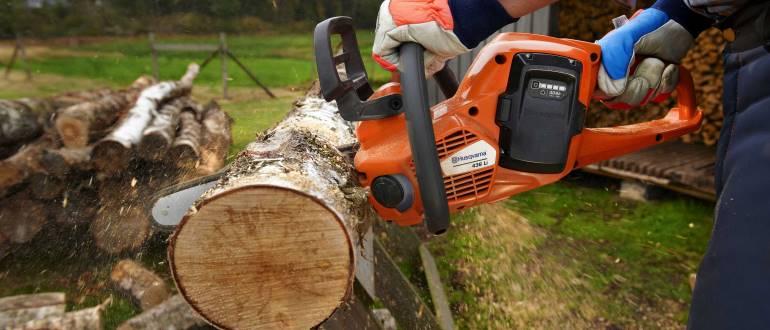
(467, 123)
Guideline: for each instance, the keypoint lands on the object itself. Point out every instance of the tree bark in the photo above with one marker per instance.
(157, 139)
(17, 310)
(145, 288)
(274, 243)
(186, 148)
(84, 319)
(17, 168)
(174, 313)
(112, 153)
(22, 217)
(216, 139)
(20, 121)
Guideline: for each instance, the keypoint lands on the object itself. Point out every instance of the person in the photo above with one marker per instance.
(733, 281)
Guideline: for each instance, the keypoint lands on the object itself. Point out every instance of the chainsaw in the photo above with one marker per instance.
(514, 123)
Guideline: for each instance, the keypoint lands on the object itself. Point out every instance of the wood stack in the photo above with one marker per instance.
(590, 20)
(97, 158)
(46, 311)
(160, 310)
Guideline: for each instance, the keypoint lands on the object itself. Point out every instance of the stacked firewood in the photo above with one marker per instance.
(47, 311)
(592, 19)
(95, 159)
(146, 290)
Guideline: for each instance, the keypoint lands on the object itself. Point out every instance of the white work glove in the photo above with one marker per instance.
(428, 23)
(660, 41)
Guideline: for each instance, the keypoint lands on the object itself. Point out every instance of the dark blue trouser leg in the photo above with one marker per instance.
(733, 283)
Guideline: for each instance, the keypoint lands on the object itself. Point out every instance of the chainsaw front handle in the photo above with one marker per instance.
(600, 144)
(419, 124)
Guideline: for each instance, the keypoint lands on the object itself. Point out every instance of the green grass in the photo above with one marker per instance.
(251, 118)
(582, 257)
(276, 60)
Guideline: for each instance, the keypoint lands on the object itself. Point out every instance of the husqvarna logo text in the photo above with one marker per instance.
(457, 159)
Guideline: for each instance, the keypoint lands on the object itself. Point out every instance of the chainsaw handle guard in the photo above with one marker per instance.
(604, 143)
(419, 123)
(352, 93)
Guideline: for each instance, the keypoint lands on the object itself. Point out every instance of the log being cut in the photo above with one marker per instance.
(113, 152)
(274, 243)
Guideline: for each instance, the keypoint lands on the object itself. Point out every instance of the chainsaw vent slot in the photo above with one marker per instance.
(473, 184)
(466, 185)
(453, 142)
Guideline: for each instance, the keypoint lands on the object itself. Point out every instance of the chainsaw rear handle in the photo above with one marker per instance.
(608, 142)
(419, 124)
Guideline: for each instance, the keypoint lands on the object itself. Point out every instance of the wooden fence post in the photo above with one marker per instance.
(20, 53)
(223, 59)
(154, 51)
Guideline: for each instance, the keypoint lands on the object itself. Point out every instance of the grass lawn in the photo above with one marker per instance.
(276, 60)
(567, 254)
(574, 253)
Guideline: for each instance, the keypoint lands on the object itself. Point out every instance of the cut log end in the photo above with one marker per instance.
(296, 285)
(123, 230)
(21, 218)
(110, 156)
(143, 286)
(184, 156)
(74, 133)
(153, 147)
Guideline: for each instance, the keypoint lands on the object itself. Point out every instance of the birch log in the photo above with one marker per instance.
(23, 163)
(184, 153)
(84, 319)
(274, 243)
(20, 120)
(17, 310)
(174, 313)
(215, 141)
(78, 123)
(157, 139)
(112, 153)
(144, 287)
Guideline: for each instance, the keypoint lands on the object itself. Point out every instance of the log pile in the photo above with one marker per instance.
(590, 20)
(46, 311)
(160, 310)
(95, 159)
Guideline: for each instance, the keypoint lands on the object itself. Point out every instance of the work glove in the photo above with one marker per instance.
(658, 42)
(431, 24)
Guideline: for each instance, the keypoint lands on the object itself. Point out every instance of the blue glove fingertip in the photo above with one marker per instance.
(618, 45)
